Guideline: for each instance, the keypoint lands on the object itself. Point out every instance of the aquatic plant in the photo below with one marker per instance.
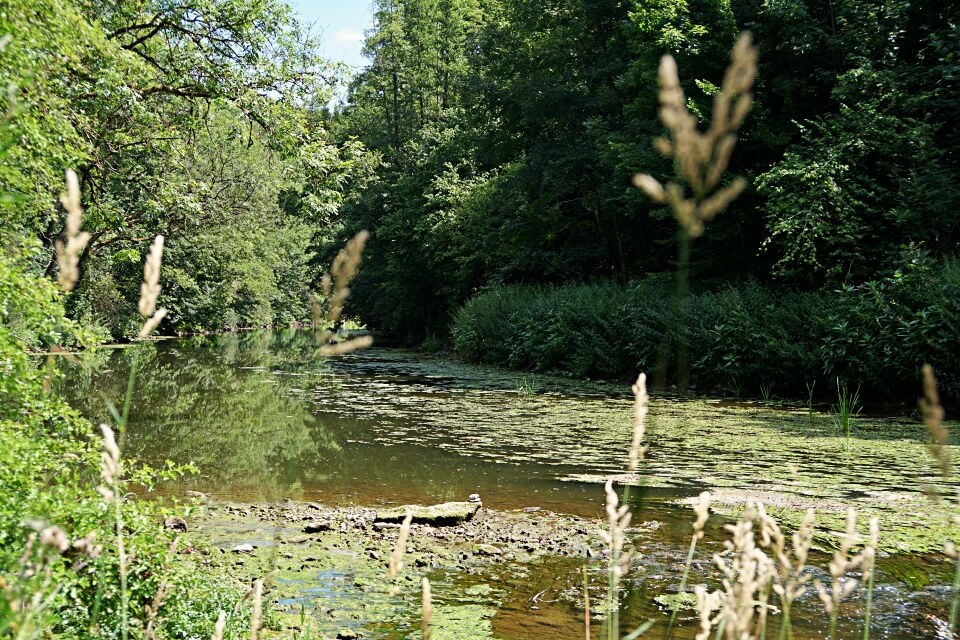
(524, 388)
(766, 391)
(111, 470)
(847, 407)
(868, 568)
(748, 574)
(810, 388)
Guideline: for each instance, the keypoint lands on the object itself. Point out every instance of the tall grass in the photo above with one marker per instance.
(846, 408)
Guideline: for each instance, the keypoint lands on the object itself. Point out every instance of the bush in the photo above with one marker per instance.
(875, 336)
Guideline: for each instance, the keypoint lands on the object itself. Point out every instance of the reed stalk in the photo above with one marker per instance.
(810, 387)
(618, 515)
(848, 406)
(933, 415)
(586, 604)
(112, 471)
(702, 509)
(257, 614)
(955, 603)
(700, 160)
(426, 631)
(869, 570)
(220, 627)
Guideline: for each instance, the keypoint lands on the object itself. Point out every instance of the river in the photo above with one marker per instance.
(263, 419)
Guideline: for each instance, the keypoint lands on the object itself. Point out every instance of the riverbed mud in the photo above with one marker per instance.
(327, 567)
(508, 575)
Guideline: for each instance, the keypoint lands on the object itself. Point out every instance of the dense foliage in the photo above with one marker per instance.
(202, 120)
(187, 119)
(742, 339)
(510, 130)
(49, 473)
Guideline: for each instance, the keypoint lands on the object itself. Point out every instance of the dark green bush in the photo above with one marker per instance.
(875, 336)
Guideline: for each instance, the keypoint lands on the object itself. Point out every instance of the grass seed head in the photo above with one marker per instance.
(396, 558)
(109, 464)
(702, 508)
(641, 402)
(68, 252)
(335, 287)
(426, 632)
(702, 158)
(933, 417)
(150, 288)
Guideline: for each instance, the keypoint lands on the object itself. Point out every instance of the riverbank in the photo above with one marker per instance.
(329, 566)
(510, 575)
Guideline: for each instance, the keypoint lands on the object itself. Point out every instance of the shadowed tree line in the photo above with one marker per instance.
(509, 132)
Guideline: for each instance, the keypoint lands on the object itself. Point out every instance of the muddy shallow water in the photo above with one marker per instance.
(264, 420)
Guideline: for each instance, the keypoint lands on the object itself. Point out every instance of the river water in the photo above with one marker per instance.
(263, 419)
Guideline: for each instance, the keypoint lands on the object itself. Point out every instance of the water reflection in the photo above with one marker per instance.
(264, 418)
(226, 404)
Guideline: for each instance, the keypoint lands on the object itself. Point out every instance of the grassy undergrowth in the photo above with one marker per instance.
(59, 572)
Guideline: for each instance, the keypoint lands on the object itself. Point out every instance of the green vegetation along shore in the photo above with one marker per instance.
(745, 340)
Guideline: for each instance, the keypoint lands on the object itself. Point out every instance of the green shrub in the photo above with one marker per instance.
(741, 339)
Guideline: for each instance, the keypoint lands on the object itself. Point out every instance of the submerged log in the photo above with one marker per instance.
(447, 514)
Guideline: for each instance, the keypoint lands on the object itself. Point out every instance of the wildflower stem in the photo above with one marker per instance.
(613, 600)
(122, 557)
(955, 605)
(683, 585)
(586, 605)
(785, 630)
(866, 619)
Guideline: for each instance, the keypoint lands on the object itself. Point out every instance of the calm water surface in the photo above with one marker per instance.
(263, 418)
